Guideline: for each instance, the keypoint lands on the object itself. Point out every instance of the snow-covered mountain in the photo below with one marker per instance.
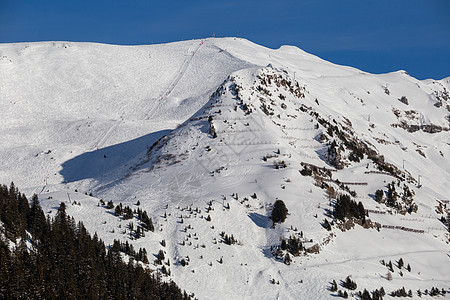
(207, 134)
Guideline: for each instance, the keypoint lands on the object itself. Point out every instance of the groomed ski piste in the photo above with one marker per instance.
(207, 134)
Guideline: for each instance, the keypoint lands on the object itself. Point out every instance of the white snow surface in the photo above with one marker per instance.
(79, 118)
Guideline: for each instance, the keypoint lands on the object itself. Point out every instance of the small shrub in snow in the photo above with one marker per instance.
(279, 164)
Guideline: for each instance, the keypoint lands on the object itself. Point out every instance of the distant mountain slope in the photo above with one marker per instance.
(77, 97)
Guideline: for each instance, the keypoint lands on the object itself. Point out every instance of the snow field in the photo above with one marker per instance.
(86, 101)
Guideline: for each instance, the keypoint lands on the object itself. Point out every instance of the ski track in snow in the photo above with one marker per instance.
(189, 56)
(108, 134)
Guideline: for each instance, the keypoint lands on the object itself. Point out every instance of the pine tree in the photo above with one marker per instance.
(379, 195)
(164, 270)
(138, 233)
(400, 263)
(36, 222)
(334, 286)
(110, 205)
(118, 211)
(448, 221)
(391, 195)
(389, 265)
(279, 212)
(287, 259)
(326, 225)
(349, 284)
(283, 245)
(366, 295)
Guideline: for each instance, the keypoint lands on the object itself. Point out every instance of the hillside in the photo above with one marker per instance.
(207, 134)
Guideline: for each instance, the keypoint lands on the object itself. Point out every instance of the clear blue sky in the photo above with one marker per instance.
(375, 36)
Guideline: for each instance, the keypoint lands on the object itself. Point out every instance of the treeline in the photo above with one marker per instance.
(58, 259)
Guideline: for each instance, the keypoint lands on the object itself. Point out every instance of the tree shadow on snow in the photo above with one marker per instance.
(260, 220)
(96, 163)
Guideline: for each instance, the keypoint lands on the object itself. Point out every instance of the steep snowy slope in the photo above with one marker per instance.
(252, 123)
(72, 98)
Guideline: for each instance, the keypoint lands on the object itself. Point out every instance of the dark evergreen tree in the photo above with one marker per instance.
(366, 295)
(160, 257)
(379, 195)
(279, 212)
(183, 262)
(376, 295)
(400, 263)
(349, 284)
(10, 214)
(229, 240)
(287, 259)
(326, 225)
(391, 195)
(127, 213)
(36, 219)
(138, 233)
(147, 223)
(389, 265)
(110, 205)
(118, 211)
(283, 245)
(399, 293)
(334, 286)
(306, 171)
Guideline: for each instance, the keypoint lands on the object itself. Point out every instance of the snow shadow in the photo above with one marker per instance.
(260, 220)
(96, 163)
